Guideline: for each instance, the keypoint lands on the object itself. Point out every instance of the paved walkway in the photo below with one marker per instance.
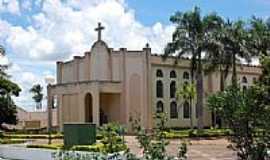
(203, 149)
(214, 149)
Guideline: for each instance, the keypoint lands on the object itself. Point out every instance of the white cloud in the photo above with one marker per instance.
(61, 30)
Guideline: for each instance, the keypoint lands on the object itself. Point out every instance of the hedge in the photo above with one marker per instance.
(33, 136)
(174, 134)
(91, 148)
(46, 146)
(12, 141)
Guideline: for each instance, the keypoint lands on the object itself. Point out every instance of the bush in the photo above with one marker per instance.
(99, 147)
(111, 139)
(154, 144)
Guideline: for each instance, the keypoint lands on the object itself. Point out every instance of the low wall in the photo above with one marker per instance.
(21, 153)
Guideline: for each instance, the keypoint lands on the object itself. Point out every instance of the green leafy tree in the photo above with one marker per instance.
(36, 90)
(247, 117)
(187, 93)
(7, 89)
(194, 36)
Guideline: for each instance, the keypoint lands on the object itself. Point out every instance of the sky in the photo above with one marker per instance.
(37, 33)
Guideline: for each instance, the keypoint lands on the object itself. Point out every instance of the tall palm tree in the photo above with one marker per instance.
(259, 37)
(36, 90)
(187, 93)
(192, 37)
(235, 43)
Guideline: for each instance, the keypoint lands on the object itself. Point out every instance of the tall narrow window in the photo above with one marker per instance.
(159, 73)
(185, 75)
(173, 110)
(160, 108)
(172, 74)
(244, 80)
(186, 108)
(172, 89)
(159, 88)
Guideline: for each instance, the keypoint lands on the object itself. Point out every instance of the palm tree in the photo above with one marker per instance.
(192, 37)
(234, 41)
(259, 37)
(187, 93)
(36, 90)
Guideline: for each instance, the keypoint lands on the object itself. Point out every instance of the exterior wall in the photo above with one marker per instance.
(129, 77)
(211, 85)
(24, 117)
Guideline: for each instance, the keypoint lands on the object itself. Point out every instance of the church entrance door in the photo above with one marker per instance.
(110, 108)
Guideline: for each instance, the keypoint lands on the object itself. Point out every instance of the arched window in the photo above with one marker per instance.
(172, 89)
(185, 75)
(172, 74)
(160, 108)
(186, 108)
(173, 110)
(244, 80)
(159, 88)
(159, 73)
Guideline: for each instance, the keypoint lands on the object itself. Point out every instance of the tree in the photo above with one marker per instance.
(193, 36)
(7, 89)
(187, 93)
(259, 37)
(234, 43)
(36, 90)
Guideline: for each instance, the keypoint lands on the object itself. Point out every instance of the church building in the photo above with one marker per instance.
(108, 85)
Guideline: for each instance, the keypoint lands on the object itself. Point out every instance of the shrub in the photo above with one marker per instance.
(111, 139)
(154, 144)
(99, 147)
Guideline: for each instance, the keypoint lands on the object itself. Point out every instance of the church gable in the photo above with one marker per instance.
(100, 61)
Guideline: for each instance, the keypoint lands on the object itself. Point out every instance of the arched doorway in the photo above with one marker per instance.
(88, 108)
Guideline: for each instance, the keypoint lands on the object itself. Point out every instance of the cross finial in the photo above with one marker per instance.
(99, 29)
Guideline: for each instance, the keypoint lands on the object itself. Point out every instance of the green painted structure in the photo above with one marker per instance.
(79, 134)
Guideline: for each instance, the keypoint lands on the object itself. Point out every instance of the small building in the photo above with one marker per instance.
(108, 85)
